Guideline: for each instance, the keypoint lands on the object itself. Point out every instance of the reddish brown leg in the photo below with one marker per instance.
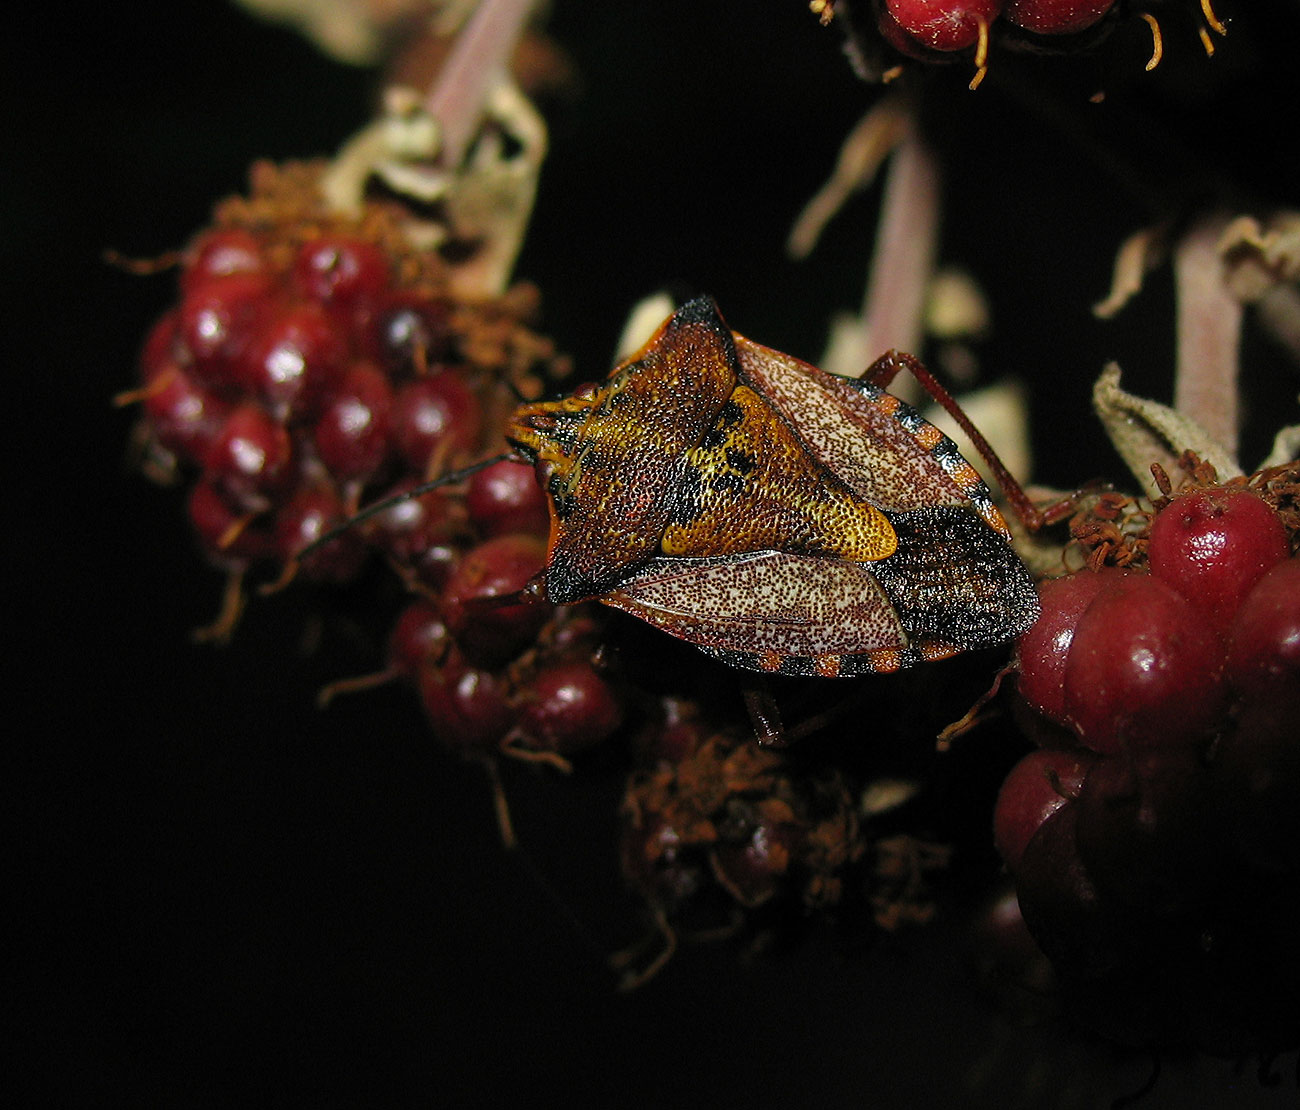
(885, 369)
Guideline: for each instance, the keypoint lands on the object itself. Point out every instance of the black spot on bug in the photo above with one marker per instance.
(730, 415)
(728, 483)
(739, 461)
(685, 497)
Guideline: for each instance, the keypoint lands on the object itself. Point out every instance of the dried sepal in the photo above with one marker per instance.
(1146, 432)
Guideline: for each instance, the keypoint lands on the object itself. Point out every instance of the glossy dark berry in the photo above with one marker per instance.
(303, 519)
(1055, 17)
(1213, 545)
(1041, 652)
(1148, 832)
(227, 536)
(340, 271)
(419, 636)
(353, 434)
(506, 497)
(220, 253)
(1144, 669)
(468, 708)
(183, 416)
(421, 533)
(567, 708)
(296, 356)
(944, 24)
(409, 332)
(482, 599)
(251, 458)
(218, 319)
(1036, 788)
(438, 413)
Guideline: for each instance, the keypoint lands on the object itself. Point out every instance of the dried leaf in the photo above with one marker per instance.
(1146, 432)
(1286, 448)
(1257, 258)
(1140, 253)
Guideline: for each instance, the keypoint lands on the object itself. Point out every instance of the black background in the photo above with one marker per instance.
(232, 899)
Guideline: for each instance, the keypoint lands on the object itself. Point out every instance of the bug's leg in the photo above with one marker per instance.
(885, 369)
(764, 713)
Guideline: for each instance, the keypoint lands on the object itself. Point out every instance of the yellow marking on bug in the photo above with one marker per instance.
(929, 437)
(828, 666)
(753, 485)
(886, 660)
(934, 650)
(887, 403)
(770, 660)
(966, 477)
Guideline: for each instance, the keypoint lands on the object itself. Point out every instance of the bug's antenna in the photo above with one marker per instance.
(373, 510)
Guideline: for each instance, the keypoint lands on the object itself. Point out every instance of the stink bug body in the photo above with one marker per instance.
(781, 518)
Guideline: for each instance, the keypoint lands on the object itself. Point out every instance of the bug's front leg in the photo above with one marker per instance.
(764, 713)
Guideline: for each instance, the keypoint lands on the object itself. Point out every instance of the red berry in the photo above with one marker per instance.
(1055, 17)
(409, 332)
(251, 458)
(438, 412)
(1264, 643)
(185, 418)
(227, 535)
(220, 253)
(1144, 669)
(1042, 651)
(418, 636)
(491, 623)
(295, 357)
(1148, 832)
(218, 319)
(341, 272)
(1213, 545)
(421, 533)
(568, 708)
(353, 433)
(1036, 788)
(944, 24)
(303, 519)
(506, 497)
(751, 868)
(467, 708)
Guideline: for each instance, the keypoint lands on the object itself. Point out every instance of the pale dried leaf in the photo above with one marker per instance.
(955, 307)
(353, 31)
(1258, 257)
(1286, 448)
(861, 156)
(885, 794)
(1140, 253)
(1146, 432)
(642, 322)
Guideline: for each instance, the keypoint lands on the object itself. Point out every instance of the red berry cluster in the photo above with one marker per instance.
(315, 364)
(917, 27)
(1154, 837)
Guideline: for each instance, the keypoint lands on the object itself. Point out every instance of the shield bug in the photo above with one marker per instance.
(780, 518)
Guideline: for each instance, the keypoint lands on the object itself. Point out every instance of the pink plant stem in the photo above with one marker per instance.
(480, 55)
(903, 260)
(1209, 335)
